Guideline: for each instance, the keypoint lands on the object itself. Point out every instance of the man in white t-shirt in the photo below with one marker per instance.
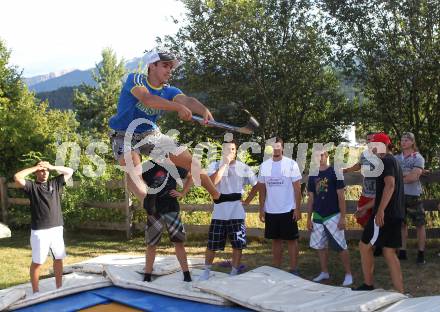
(228, 219)
(279, 185)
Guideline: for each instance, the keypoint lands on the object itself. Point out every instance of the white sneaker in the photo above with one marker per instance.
(233, 272)
(348, 280)
(204, 276)
(322, 276)
(33, 295)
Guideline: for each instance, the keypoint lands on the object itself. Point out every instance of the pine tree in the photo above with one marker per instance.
(96, 104)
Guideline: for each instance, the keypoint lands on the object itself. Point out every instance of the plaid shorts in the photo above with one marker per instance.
(326, 233)
(219, 230)
(156, 224)
(154, 143)
(414, 211)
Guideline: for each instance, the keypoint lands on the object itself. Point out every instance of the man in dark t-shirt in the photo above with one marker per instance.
(46, 217)
(163, 210)
(383, 229)
(326, 217)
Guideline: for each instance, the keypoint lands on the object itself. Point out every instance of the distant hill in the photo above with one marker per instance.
(58, 87)
(61, 98)
(41, 78)
(72, 78)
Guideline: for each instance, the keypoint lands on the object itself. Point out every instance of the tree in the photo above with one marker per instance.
(95, 105)
(266, 56)
(392, 49)
(26, 124)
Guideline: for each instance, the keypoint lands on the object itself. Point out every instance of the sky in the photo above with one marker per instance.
(52, 35)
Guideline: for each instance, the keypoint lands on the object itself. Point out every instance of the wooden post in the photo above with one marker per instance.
(4, 199)
(128, 210)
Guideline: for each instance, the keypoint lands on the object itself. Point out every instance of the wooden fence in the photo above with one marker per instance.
(127, 207)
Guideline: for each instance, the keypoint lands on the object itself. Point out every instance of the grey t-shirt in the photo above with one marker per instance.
(368, 183)
(408, 163)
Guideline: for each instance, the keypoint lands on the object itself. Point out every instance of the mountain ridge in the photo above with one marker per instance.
(72, 77)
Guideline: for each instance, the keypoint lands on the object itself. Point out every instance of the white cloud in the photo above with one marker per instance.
(51, 35)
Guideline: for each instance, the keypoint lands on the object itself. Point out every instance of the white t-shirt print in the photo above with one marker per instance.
(278, 177)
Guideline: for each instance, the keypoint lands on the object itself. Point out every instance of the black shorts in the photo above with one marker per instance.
(219, 230)
(389, 235)
(280, 226)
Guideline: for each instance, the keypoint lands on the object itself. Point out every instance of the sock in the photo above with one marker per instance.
(228, 197)
(322, 276)
(348, 280)
(187, 276)
(147, 277)
(234, 271)
(205, 274)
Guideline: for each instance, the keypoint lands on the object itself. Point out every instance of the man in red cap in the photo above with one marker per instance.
(383, 229)
(366, 200)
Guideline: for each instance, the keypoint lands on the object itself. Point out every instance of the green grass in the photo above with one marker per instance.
(16, 256)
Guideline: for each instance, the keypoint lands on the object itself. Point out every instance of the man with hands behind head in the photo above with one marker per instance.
(46, 216)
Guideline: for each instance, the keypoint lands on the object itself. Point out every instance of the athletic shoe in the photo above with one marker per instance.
(234, 271)
(241, 268)
(322, 276)
(147, 277)
(34, 295)
(363, 287)
(348, 280)
(187, 276)
(402, 254)
(294, 272)
(204, 276)
(421, 258)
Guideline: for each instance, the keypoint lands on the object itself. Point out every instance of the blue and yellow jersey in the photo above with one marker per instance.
(129, 108)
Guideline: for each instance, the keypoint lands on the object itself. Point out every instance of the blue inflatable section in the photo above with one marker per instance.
(69, 303)
(133, 298)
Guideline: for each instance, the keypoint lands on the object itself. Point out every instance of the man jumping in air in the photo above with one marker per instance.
(143, 99)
